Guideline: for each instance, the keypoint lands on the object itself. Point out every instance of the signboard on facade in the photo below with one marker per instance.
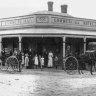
(47, 20)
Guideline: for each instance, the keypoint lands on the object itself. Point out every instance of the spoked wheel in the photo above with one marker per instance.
(71, 65)
(12, 64)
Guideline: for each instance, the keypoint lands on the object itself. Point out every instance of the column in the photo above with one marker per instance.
(20, 43)
(64, 38)
(0, 44)
(84, 44)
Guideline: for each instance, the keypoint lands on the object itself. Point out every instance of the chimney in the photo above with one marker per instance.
(50, 6)
(64, 8)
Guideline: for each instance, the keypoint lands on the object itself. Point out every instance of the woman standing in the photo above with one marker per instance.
(42, 62)
(36, 62)
(23, 60)
(26, 60)
(50, 59)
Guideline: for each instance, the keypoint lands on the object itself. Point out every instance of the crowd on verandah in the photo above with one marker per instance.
(30, 60)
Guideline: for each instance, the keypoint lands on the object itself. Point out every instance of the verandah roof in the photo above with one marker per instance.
(48, 31)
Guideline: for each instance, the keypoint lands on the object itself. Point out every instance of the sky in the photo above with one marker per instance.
(76, 8)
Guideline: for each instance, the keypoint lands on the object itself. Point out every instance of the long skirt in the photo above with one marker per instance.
(50, 62)
(36, 62)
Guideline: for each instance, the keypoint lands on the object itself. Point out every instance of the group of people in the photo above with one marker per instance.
(28, 62)
(32, 60)
(36, 61)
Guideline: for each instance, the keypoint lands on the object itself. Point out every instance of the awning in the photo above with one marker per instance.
(92, 43)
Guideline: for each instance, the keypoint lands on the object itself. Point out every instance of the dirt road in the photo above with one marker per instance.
(43, 83)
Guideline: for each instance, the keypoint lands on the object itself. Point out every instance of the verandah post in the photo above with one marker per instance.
(64, 39)
(20, 43)
(84, 44)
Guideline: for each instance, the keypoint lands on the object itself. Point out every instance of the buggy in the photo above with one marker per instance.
(12, 63)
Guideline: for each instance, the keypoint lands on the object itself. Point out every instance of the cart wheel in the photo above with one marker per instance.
(71, 65)
(12, 64)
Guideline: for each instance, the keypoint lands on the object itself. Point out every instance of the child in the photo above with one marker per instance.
(26, 61)
(36, 62)
(56, 61)
(42, 62)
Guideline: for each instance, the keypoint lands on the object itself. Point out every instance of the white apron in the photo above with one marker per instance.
(50, 59)
(36, 60)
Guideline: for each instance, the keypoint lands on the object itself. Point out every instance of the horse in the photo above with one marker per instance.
(81, 63)
(88, 58)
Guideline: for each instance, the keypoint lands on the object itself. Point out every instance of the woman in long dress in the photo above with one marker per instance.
(23, 61)
(36, 62)
(50, 59)
(26, 60)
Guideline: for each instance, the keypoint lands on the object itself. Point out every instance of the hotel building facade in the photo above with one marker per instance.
(47, 30)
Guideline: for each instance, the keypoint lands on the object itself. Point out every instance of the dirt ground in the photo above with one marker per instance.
(48, 82)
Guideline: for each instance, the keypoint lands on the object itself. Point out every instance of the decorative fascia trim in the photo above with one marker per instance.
(47, 21)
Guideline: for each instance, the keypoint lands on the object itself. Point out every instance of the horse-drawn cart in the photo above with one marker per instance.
(11, 63)
(85, 61)
(70, 64)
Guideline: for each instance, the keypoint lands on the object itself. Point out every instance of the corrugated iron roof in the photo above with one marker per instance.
(51, 13)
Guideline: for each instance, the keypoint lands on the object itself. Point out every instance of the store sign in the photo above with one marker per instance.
(72, 21)
(42, 19)
(48, 20)
(14, 22)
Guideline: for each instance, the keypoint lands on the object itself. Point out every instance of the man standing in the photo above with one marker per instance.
(45, 54)
(31, 65)
(68, 51)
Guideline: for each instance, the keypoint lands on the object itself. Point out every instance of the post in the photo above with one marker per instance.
(64, 39)
(20, 43)
(20, 48)
(84, 44)
(0, 44)
(0, 51)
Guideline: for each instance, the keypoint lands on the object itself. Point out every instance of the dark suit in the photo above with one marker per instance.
(31, 64)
